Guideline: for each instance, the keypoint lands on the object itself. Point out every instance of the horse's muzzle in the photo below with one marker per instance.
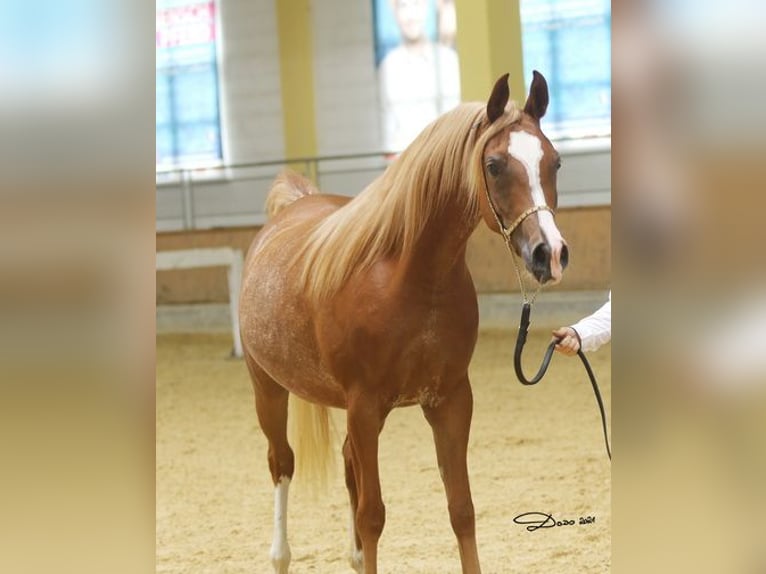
(548, 263)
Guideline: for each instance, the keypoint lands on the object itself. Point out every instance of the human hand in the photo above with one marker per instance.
(569, 342)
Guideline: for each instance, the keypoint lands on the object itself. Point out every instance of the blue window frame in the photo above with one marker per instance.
(569, 42)
(188, 130)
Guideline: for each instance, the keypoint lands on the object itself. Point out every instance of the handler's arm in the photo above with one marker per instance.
(596, 329)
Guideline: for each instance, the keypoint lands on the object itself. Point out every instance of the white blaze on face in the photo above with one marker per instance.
(280, 549)
(527, 149)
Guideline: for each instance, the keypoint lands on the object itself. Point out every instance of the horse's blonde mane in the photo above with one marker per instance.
(443, 164)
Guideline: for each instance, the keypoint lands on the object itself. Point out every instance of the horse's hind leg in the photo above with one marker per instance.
(355, 551)
(450, 421)
(271, 407)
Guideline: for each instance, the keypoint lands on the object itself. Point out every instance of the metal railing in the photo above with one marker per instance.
(186, 180)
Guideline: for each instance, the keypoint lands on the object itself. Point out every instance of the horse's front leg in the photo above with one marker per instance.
(355, 553)
(450, 421)
(365, 421)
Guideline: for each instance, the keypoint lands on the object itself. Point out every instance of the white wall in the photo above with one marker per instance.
(250, 86)
(346, 89)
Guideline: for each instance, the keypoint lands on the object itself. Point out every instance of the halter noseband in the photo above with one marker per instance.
(516, 222)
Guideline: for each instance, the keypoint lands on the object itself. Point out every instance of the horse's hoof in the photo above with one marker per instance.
(280, 566)
(280, 561)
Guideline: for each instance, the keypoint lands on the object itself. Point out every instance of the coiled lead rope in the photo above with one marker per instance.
(521, 340)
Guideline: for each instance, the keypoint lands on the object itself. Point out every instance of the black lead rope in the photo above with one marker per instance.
(521, 340)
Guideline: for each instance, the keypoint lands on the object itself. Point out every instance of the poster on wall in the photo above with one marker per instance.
(417, 66)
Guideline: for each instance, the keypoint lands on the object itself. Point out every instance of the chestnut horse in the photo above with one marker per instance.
(366, 304)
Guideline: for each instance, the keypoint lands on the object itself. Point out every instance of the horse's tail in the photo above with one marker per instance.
(287, 187)
(311, 436)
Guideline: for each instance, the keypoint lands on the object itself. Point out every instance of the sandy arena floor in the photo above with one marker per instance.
(532, 449)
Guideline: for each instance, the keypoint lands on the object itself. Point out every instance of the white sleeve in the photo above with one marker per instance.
(596, 330)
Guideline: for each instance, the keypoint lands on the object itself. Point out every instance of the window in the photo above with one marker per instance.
(569, 42)
(187, 122)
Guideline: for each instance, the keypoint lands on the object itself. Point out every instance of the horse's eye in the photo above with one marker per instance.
(558, 163)
(493, 168)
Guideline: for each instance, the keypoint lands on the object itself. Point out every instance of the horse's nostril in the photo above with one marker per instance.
(564, 258)
(541, 256)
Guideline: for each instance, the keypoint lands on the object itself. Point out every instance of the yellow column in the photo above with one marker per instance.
(296, 70)
(489, 45)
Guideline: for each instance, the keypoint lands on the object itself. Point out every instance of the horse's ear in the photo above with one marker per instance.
(498, 99)
(537, 102)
